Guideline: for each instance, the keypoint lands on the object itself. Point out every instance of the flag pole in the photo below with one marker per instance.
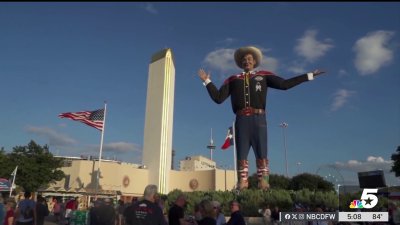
(15, 174)
(101, 148)
(234, 152)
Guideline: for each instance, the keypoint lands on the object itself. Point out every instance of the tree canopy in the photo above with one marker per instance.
(396, 162)
(36, 166)
(311, 182)
(301, 181)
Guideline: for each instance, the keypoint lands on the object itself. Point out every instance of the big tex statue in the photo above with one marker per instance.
(248, 91)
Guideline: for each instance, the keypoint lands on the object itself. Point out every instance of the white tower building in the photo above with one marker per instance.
(157, 144)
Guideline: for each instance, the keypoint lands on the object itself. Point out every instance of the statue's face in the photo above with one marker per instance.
(248, 62)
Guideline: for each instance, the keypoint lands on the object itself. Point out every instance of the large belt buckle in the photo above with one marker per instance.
(247, 111)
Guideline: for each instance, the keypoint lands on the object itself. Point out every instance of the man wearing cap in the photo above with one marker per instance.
(248, 91)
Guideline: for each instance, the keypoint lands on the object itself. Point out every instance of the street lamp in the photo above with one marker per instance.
(298, 167)
(285, 125)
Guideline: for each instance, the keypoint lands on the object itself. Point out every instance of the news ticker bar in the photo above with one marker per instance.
(335, 216)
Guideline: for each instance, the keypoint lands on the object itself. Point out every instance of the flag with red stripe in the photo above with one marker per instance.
(228, 140)
(92, 118)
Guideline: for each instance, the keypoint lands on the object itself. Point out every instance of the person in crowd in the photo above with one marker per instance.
(275, 215)
(93, 213)
(146, 211)
(106, 213)
(395, 213)
(176, 214)
(128, 216)
(160, 201)
(2, 209)
(70, 206)
(9, 216)
(207, 213)
(197, 214)
(56, 210)
(236, 216)
(42, 210)
(220, 217)
(120, 212)
(266, 212)
(26, 211)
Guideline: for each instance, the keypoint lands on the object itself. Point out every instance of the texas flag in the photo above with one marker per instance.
(228, 140)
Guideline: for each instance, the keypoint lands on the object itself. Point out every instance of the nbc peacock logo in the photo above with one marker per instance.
(368, 199)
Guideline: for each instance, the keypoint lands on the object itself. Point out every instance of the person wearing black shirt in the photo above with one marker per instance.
(236, 216)
(248, 92)
(106, 213)
(176, 214)
(275, 214)
(42, 210)
(94, 213)
(146, 211)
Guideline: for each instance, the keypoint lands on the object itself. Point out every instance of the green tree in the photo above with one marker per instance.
(303, 196)
(279, 181)
(253, 181)
(36, 166)
(311, 182)
(276, 181)
(6, 167)
(3, 158)
(396, 162)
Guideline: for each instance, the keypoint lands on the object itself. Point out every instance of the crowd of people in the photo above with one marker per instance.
(148, 210)
(26, 212)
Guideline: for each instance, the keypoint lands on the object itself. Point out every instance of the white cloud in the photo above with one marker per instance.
(223, 60)
(310, 48)
(150, 8)
(372, 52)
(121, 147)
(297, 67)
(129, 151)
(269, 63)
(55, 138)
(348, 170)
(341, 97)
(372, 163)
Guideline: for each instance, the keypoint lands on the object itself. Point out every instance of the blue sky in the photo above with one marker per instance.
(67, 57)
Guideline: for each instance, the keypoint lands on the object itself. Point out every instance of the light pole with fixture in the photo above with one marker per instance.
(298, 167)
(285, 125)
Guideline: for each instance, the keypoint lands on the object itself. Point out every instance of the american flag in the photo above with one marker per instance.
(92, 118)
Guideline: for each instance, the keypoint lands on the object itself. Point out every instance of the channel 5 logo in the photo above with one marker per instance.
(368, 199)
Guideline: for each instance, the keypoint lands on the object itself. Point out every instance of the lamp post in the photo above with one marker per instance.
(285, 125)
(298, 167)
